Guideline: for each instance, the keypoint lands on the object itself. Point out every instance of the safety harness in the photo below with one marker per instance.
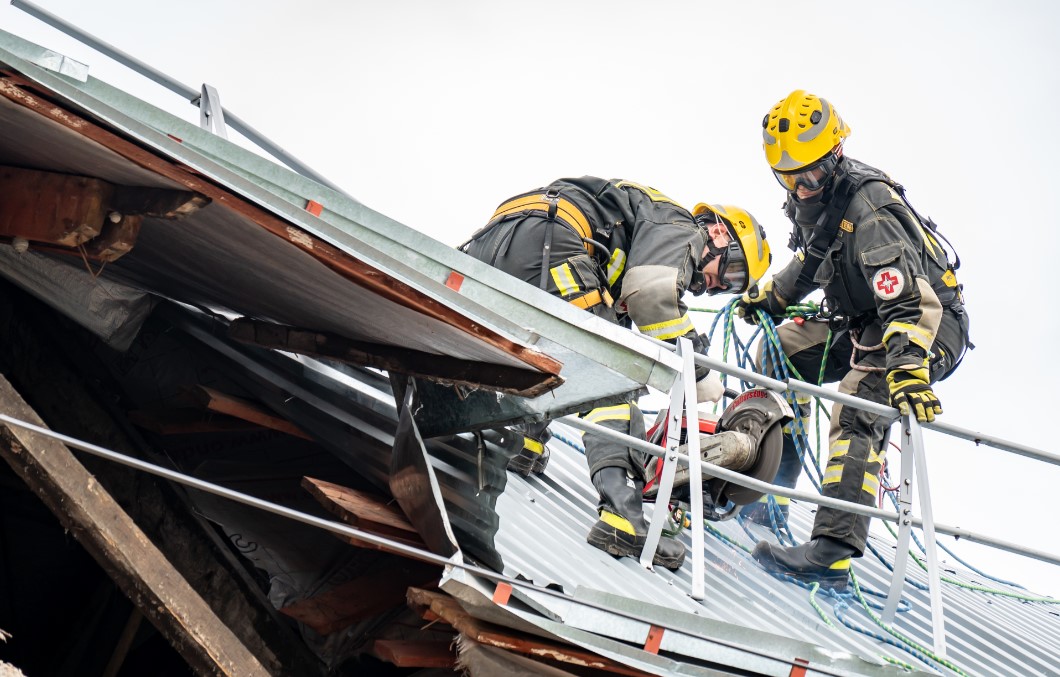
(556, 209)
(820, 246)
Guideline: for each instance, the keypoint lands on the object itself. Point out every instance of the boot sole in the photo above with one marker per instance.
(609, 541)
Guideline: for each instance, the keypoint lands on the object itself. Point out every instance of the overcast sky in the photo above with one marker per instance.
(434, 112)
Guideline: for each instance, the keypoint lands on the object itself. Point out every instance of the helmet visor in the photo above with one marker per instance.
(732, 270)
(810, 177)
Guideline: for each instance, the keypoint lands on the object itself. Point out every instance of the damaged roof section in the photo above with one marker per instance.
(156, 207)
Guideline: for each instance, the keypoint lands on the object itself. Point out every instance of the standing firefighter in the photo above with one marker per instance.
(626, 253)
(893, 301)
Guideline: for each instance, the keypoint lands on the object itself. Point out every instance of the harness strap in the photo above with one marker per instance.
(827, 228)
(593, 299)
(554, 207)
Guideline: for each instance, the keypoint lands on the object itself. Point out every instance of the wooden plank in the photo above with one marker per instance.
(222, 403)
(187, 422)
(364, 511)
(449, 609)
(119, 546)
(381, 588)
(415, 654)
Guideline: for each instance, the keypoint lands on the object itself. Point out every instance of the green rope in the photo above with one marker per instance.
(895, 661)
(726, 539)
(817, 607)
(894, 633)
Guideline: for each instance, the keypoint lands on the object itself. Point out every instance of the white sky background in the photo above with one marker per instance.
(435, 112)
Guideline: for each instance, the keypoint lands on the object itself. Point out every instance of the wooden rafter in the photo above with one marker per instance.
(121, 548)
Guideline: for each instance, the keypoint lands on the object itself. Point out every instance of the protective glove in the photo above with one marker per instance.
(762, 298)
(910, 388)
(709, 388)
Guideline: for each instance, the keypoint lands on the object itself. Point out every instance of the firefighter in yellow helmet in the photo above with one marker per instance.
(893, 304)
(627, 253)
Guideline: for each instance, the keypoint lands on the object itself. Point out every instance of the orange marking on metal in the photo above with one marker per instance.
(502, 594)
(655, 635)
(799, 670)
(313, 207)
(175, 138)
(454, 281)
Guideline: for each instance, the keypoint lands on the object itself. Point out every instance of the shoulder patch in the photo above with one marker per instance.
(888, 283)
(847, 226)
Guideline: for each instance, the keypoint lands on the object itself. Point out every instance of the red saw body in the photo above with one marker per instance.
(746, 438)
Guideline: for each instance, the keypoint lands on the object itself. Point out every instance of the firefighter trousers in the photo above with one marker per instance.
(856, 438)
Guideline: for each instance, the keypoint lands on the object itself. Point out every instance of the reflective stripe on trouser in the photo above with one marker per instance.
(602, 453)
(855, 456)
(859, 431)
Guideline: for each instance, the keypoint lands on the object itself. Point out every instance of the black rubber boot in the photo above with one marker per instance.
(532, 458)
(621, 529)
(821, 560)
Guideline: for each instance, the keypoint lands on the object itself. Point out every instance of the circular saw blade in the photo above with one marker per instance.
(769, 435)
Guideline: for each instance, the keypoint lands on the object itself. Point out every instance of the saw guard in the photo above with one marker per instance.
(761, 414)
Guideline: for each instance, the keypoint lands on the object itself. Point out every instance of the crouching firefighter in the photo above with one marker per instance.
(892, 301)
(626, 253)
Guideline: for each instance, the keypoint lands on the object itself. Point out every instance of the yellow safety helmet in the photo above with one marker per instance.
(746, 259)
(800, 130)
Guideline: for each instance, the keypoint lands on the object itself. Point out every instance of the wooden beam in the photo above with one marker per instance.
(116, 239)
(439, 368)
(364, 511)
(119, 546)
(415, 654)
(444, 606)
(48, 207)
(379, 589)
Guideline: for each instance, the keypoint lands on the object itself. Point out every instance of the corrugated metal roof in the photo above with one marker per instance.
(535, 530)
(543, 524)
(255, 251)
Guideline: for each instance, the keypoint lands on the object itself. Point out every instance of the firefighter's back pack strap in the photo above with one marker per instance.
(827, 227)
(553, 206)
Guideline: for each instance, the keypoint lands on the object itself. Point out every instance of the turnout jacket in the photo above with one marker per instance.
(651, 247)
(883, 266)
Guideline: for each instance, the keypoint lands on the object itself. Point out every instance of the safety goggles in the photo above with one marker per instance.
(732, 271)
(811, 177)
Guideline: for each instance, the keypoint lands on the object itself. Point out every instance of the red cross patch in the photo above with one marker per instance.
(888, 283)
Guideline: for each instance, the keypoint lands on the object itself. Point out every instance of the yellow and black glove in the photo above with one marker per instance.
(910, 388)
(761, 298)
